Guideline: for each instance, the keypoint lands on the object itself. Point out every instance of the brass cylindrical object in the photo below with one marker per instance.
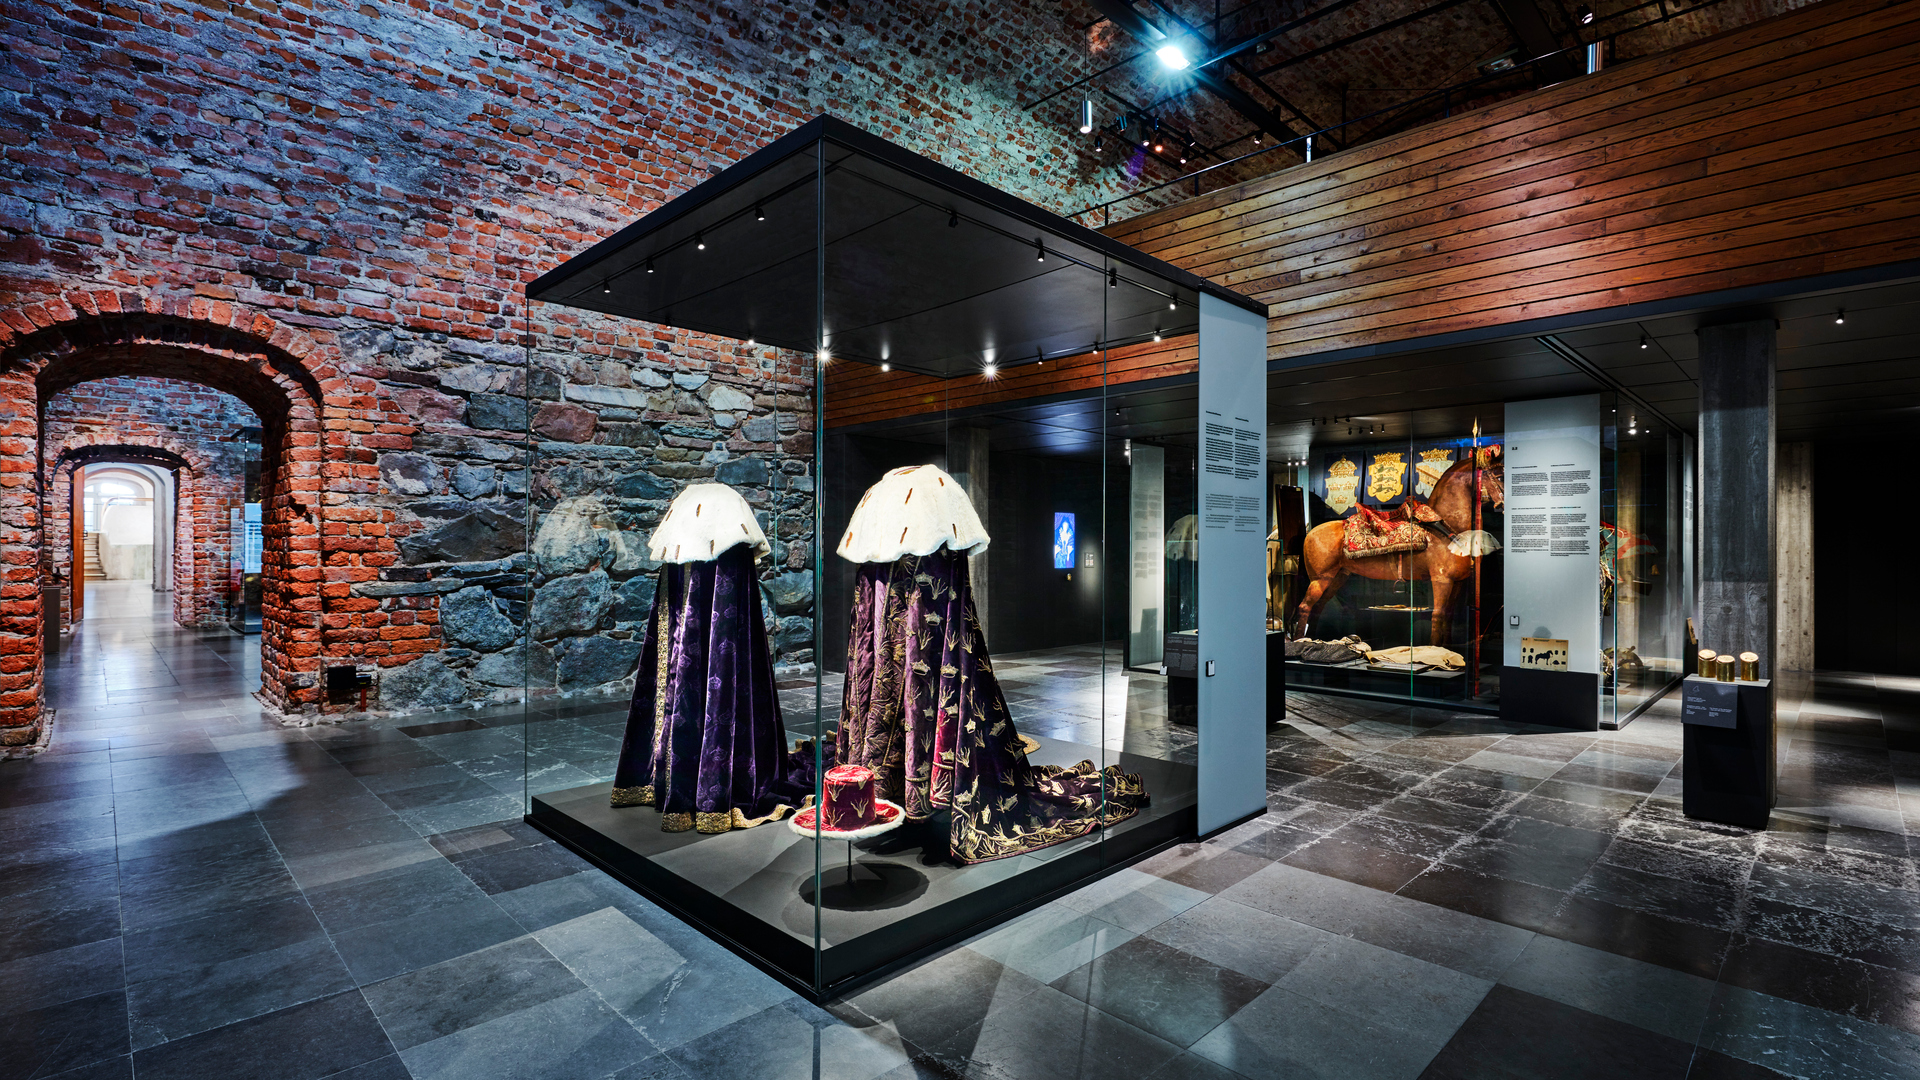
(1723, 667)
(1705, 665)
(1749, 667)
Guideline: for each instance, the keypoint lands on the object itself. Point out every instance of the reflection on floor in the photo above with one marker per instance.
(193, 890)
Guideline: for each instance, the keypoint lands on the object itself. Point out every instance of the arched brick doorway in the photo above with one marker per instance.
(257, 362)
(197, 516)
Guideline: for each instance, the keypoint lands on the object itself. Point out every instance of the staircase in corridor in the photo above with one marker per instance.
(92, 566)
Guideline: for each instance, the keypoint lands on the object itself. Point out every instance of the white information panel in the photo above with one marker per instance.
(1147, 580)
(1233, 564)
(1552, 537)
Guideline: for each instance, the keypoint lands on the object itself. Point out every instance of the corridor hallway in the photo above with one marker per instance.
(127, 658)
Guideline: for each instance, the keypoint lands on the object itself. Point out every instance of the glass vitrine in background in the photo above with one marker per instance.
(1391, 583)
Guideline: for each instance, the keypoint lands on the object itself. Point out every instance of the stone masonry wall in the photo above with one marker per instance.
(192, 422)
(361, 191)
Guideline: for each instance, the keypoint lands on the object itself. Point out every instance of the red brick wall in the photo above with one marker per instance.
(200, 425)
(329, 211)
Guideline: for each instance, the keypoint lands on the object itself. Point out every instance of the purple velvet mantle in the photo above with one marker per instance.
(925, 713)
(705, 743)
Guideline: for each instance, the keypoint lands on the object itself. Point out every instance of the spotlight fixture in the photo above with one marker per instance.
(759, 214)
(1113, 277)
(699, 242)
(1256, 138)
(1099, 143)
(953, 219)
(1039, 250)
(649, 266)
(1173, 56)
(823, 358)
(1633, 424)
(1643, 341)
(1086, 116)
(990, 370)
(1840, 317)
(606, 287)
(1584, 14)
(884, 366)
(1173, 303)
(1156, 335)
(1159, 146)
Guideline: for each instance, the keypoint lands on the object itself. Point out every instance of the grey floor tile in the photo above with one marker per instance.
(61, 975)
(1329, 903)
(1800, 1040)
(1161, 990)
(306, 1042)
(548, 902)
(198, 999)
(1465, 943)
(1281, 1034)
(562, 1039)
(1253, 942)
(668, 996)
(64, 1036)
(382, 950)
(1050, 941)
(451, 996)
(1386, 989)
(930, 1001)
(778, 1044)
(1051, 1034)
(1133, 900)
(1646, 995)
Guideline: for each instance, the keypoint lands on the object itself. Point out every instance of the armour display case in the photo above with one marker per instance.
(827, 589)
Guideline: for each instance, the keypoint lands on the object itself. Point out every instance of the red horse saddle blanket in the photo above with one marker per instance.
(1388, 532)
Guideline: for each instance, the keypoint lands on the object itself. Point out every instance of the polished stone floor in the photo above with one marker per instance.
(191, 889)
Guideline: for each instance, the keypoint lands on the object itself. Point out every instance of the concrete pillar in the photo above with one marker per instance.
(1794, 609)
(1738, 552)
(967, 463)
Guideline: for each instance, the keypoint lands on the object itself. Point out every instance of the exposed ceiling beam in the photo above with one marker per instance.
(1536, 38)
(1123, 15)
(1334, 46)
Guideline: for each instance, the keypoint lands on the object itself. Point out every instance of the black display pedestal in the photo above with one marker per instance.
(1728, 751)
(1183, 682)
(1557, 699)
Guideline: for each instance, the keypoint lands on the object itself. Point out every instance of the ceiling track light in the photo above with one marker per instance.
(884, 366)
(1156, 335)
(990, 370)
(1840, 317)
(1039, 250)
(1584, 14)
(1643, 341)
(649, 266)
(606, 286)
(953, 219)
(699, 242)
(759, 214)
(1086, 116)
(1173, 303)
(1113, 277)
(1099, 143)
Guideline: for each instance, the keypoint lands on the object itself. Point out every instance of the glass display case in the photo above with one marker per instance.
(1413, 557)
(821, 646)
(1384, 564)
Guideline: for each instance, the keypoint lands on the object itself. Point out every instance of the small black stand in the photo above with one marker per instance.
(1728, 748)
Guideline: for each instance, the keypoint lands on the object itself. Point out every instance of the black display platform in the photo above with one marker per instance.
(752, 890)
(1728, 750)
(1558, 699)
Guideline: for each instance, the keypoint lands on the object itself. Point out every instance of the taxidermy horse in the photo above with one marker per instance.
(1447, 561)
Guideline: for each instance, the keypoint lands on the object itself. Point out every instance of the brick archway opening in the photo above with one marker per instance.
(264, 374)
(201, 497)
